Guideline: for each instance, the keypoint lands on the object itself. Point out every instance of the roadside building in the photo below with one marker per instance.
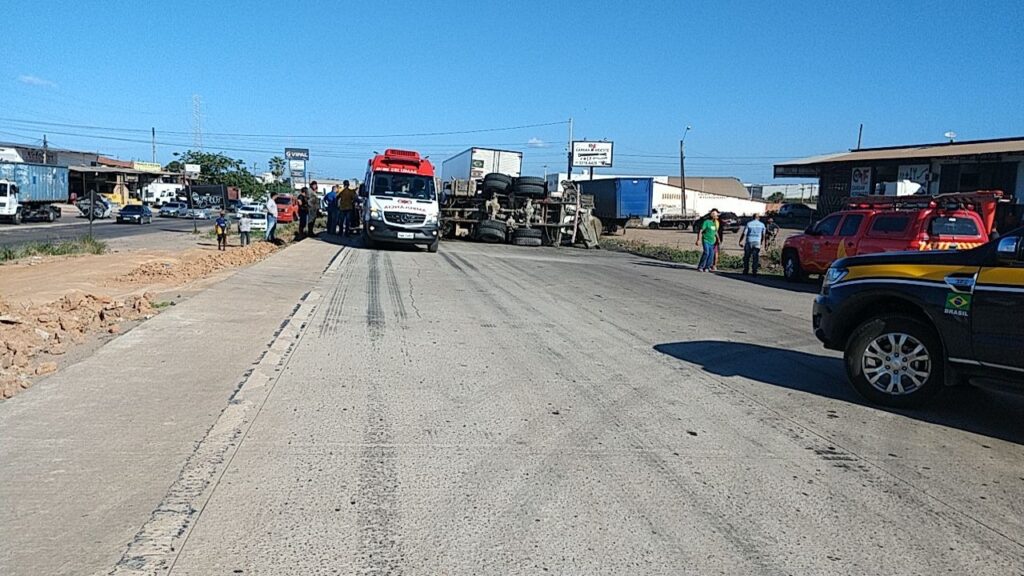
(923, 168)
(800, 191)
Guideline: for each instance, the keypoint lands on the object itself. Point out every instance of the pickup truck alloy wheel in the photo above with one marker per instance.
(895, 361)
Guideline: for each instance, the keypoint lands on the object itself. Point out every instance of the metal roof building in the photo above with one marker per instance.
(996, 164)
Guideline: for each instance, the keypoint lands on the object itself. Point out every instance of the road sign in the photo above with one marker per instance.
(296, 153)
(591, 154)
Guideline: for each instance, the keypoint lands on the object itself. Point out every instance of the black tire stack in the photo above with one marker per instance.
(496, 183)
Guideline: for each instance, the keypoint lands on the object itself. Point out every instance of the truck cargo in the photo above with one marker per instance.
(475, 163)
(28, 191)
(620, 200)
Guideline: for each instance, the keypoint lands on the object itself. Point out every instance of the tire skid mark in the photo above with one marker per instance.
(332, 314)
(374, 311)
(393, 290)
(380, 548)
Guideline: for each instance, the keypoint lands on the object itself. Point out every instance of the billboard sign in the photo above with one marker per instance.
(860, 182)
(147, 166)
(296, 153)
(591, 154)
(193, 170)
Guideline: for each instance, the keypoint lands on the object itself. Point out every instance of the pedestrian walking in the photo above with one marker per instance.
(752, 239)
(771, 233)
(312, 205)
(330, 204)
(707, 238)
(244, 229)
(220, 225)
(271, 207)
(346, 207)
(302, 200)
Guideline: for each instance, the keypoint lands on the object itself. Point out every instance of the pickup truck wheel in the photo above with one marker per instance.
(895, 361)
(791, 267)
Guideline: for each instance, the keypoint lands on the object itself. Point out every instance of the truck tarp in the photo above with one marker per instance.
(37, 182)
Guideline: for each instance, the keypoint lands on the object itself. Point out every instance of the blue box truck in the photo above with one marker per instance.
(617, 201)
(28, 191)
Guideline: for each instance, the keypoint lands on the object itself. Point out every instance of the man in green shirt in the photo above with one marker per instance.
(707, 237)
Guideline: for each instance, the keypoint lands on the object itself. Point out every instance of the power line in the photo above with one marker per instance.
(289, 136)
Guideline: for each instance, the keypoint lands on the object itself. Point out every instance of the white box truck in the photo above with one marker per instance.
(475, 163)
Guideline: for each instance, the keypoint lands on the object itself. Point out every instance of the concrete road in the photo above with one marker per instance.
(69, 228)
(494, 410)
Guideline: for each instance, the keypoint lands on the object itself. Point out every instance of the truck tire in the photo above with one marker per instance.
(16, 219)
(791, 267)
(895, 360)
(533, 242)
(492, 231)
(50, 217)
(527, 233)
(529, 190)
(498, 177)
(654, 226)
(529, 180)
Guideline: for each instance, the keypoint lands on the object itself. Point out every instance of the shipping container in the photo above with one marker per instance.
(475, 163)
(619, 200)
(28, 190)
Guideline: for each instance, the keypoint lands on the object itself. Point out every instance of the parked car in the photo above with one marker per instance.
(795, 213)
(727, 220)
(911, 323)
(173, 209)
(101, 209)
(883, 226)
(135, 214)
(255, 213)
(287, 208)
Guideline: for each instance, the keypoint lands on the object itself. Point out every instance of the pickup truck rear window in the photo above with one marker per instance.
(949, 226)
(890, 224)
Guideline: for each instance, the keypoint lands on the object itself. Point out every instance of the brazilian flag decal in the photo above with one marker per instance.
(958, 304)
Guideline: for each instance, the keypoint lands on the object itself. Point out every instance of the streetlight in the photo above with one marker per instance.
(682, 169)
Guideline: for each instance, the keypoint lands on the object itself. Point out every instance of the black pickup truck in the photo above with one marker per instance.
(911, 322)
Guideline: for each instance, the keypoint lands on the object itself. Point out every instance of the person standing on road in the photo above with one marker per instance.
(771, 232)
(752, 239)
(303, 202)
(244, 228)
(220, 225)
(330, 204)
(271, 207)
(707, 238)
(312, 205)
(346, 206)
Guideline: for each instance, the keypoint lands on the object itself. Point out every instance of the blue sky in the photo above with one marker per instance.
(759, 82)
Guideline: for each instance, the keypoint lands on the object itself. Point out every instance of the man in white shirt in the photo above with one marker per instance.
(271, 207)
(752, 239)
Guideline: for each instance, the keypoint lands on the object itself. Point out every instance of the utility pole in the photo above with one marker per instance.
(153, 139)
(46, 149)
(569, 169)
(682, 171)
(860, 134)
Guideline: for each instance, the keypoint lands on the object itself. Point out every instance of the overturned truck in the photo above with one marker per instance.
(501, 208)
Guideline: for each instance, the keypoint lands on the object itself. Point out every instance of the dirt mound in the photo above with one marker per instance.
(187, 269)
(30, 334)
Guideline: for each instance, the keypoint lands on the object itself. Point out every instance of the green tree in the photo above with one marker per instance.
(777, 197)
(218, 168)
(277, 167)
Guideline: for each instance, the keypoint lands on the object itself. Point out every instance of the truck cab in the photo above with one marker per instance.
(400, 200)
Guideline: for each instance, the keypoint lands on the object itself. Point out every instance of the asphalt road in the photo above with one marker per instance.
(69, 228)
(499, 410)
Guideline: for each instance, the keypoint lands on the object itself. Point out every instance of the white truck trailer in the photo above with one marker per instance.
(475, 163)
